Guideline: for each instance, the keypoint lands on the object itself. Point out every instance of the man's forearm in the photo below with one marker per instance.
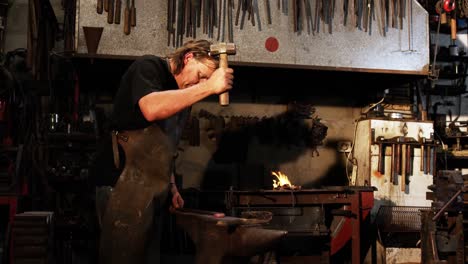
(160, 105)
(173, 184)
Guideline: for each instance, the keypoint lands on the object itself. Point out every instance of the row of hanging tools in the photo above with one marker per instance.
(114, 10)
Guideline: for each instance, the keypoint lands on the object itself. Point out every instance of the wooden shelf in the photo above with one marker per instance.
(99, 56)
(75, 136)
(459, 154)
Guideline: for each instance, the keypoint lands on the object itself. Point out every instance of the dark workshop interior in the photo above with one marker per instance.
(344, 139)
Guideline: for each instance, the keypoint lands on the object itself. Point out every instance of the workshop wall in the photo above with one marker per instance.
(397, 43)
(16, 36)
(307, 168)
(303, 164)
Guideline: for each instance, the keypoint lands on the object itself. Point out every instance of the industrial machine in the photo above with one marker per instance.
(397, 156)
(442, 232)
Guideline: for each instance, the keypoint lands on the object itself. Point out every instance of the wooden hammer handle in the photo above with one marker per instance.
(223, 63)
(453, 28)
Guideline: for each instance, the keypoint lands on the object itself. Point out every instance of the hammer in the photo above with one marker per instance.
(223, 49)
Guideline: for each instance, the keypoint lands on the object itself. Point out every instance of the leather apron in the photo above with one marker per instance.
(128, 218)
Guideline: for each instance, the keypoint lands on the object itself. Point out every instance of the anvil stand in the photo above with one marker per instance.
(227, 239)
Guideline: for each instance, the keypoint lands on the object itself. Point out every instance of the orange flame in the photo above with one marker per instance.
(282, 180)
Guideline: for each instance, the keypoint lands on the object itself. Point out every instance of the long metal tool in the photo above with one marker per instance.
(257, 13)
(220, 15)
(99, 6)
(360, 10)
(403, 167)
(230, 21)
(331, 12)
(345, 11)
(133, 14)
(223, 32)
(174, 21)
(239, 5)
(268, 11)
(294, 7)
(251, 12)
(194, 17)
(127, 18)
(402, 12)
(382, 17)
(110, 13)
(387, 14)
(244, 11)
(371, 15)
(169, 24)
(309, 21)
(180, 26)
(365, 21)
(317, 16)
(118, 8)
(198, 7)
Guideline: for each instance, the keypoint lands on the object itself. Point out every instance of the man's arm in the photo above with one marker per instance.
(163, 104)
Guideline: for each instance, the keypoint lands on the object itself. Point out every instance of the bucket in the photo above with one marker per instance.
(92, 37)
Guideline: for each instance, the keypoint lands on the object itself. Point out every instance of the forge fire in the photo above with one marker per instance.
(282, 182)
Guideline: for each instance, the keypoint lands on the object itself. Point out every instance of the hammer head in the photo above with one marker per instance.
(223, 48)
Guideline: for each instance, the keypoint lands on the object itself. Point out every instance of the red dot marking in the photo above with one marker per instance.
(271, 44)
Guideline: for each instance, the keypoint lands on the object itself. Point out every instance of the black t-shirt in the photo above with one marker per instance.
(146, 75)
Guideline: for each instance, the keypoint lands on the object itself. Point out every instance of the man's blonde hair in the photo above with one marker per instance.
(199, 48)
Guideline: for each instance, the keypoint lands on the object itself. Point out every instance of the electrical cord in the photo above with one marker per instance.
(373, 105)
(352, 160)
(443, 148)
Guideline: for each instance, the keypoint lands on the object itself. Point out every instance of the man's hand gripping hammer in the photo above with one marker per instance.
(223, 50)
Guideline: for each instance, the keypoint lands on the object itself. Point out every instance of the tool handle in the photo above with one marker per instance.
(133, 15)
(408, 160)
(403, 168)
(127, 21)
(223, 63)
(453, 28)
(99, 6)
(106, 5)
(392, 166)
(118, 7)
(110, 13)
(382, 155)
(398, 159)
(443, 18)
(428, 160)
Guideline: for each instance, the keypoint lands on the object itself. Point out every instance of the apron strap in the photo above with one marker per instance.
(115, 147)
